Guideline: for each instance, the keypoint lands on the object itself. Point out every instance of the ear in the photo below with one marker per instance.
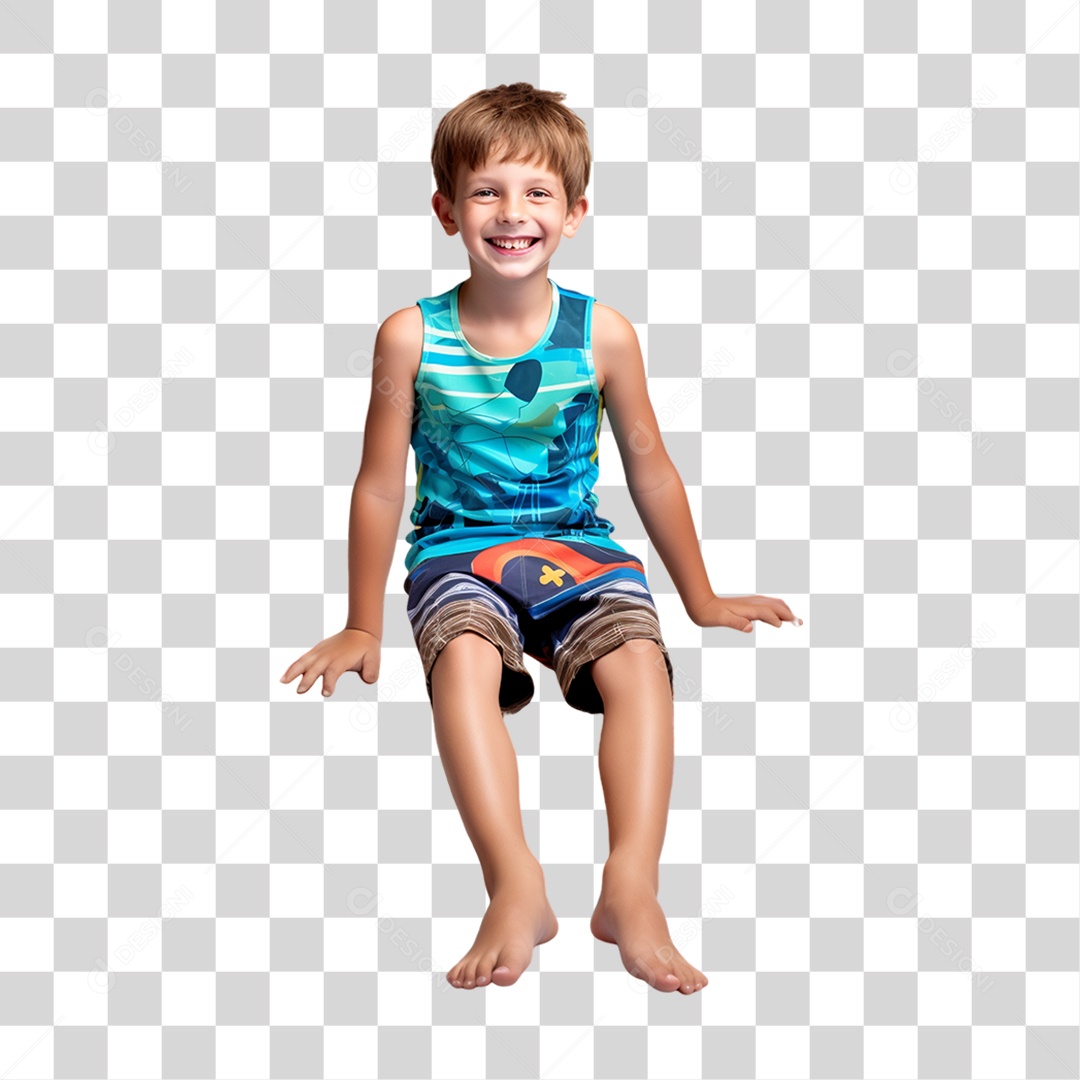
(575, 217)
(444, 211)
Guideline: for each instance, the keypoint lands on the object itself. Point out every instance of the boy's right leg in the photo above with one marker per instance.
(480, 763)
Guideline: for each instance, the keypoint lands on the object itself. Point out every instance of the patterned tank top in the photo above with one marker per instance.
(509, 447)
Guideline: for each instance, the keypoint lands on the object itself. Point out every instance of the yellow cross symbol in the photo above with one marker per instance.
(551, 575)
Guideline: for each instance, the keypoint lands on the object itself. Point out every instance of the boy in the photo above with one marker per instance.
(509, 374)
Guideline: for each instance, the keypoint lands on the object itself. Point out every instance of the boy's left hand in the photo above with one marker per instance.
(738, 612)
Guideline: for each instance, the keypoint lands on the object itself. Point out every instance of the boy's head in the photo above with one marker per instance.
(516, 123)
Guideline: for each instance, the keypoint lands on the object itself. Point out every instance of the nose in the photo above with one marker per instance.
(510, 209)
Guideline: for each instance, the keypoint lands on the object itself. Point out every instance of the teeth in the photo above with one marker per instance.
(514, 244)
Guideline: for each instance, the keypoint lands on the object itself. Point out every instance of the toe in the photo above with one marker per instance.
(484, 966)
(509, 968)
(658, 978)
(510, 963)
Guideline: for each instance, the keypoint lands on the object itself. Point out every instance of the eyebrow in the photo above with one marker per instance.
(534, 180)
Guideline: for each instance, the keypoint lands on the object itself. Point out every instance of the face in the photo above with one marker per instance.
(509, 199)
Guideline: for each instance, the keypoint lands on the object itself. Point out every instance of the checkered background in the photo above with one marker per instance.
(847, 234)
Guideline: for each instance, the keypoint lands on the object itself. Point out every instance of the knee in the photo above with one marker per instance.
(629, 668)
(469, 651)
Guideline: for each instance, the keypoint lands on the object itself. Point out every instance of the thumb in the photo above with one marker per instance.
(369, 669)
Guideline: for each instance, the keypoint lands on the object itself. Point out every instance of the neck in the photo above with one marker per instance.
(504, 303)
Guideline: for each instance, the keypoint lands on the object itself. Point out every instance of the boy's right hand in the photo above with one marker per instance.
(348, 650)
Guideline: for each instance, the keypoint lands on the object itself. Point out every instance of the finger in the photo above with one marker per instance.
(789, 616)
(766, 614)
(735, 619)
(296, 667)
(329, 680)
(315, 669)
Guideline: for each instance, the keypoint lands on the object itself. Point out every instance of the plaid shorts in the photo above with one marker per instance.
(563, 602)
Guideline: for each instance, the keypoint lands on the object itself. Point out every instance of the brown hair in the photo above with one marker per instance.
(528, 123)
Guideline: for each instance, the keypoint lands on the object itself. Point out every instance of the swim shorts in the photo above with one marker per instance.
(563, 602)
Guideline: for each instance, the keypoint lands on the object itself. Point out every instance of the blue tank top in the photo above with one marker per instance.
(506, 447)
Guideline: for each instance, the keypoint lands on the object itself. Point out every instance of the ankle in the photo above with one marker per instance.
(627, 864)
(523, 868)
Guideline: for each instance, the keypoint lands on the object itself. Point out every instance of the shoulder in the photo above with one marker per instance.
(613, 336)
(400, 340)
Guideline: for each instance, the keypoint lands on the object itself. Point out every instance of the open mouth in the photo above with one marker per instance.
(533, 240)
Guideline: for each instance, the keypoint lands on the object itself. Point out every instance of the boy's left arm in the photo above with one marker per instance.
(656, 487)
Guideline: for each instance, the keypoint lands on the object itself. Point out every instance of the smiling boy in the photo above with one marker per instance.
(510, 375)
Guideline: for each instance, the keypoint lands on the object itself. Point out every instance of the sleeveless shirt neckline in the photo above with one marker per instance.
(456, 324)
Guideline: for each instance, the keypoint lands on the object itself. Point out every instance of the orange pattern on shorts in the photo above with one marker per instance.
(491, 562)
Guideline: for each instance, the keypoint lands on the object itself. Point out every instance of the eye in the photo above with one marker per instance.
(535, 191)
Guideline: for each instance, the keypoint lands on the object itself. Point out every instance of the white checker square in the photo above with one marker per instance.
(890, 1051)
(188, 242)
(727, 782)
(351, 81)
(781, 1051)
(997, 836)
(1052, 999)
(836, 890)
(187, 134)
(296, 134)
(890, 944)
(944, 26)
(836, 26)
(408, 30)
(1053, 890)
(80, 134)
(890, 296)
(890, 80)
(998, 187)
(189, 998)
(134, 82)
(674, 186)
(782, 944)
(242, 188)
(296, 27)
(782, 81)
(890, 836)
(998, 944)
(836, 998)
(134, 187)
(80, 26)
(188, 26)
(944, 998)
(836, 676)
(944, 780)
(242, 80)
(1052, 783)
(28, 80)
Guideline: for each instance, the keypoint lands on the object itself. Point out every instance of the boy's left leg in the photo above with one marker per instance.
(636, 765)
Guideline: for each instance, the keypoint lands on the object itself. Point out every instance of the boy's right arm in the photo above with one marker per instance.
(379, 491)
(377, 502)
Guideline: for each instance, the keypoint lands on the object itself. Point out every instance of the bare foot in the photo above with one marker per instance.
(517, 918)
(628, 915)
